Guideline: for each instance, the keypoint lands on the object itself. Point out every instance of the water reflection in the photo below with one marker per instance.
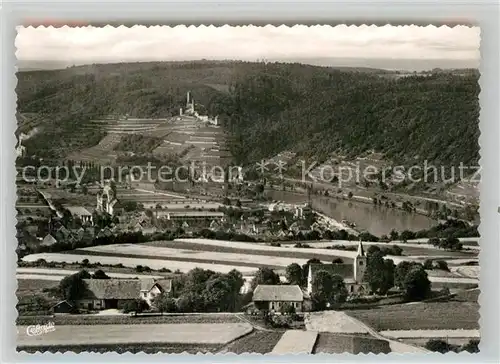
(378, 220)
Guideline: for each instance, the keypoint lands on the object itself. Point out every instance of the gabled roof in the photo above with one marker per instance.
(148, 283)
(78, 211)
(64, 302)
(112, 288)
(278, 293)
(345, 270)
(48, 240)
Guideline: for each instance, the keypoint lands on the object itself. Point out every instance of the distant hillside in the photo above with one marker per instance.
(267, 108)
(319, 111)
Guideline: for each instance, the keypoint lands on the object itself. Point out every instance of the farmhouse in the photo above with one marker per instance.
(103, 294)
(273, 297)
(353, 274)
(150, 288)
(81, 212)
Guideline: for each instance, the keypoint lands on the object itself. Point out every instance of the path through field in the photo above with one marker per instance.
(296, 342)
(340, 323)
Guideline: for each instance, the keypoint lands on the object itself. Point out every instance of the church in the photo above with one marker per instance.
(353, 274)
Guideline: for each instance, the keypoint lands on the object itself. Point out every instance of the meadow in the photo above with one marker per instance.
(133, 334)
(421, 316)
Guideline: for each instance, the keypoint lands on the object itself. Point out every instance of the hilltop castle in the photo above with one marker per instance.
(190, 111)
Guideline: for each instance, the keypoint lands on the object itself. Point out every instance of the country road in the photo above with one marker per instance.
(339, 322)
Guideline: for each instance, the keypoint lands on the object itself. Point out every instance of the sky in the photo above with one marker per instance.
(162, 43)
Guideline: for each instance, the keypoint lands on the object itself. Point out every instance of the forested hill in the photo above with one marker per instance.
(317, 111)
(267, 108)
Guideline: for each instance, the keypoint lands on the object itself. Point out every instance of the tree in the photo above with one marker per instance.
(337, 261)
(472, 346)
(99, 274)
(407, 235)
(218, 294)
(265, 276)
(416, 283)
(441, 264)
(349, 195)
(190, 302)
(72, 287)
(305, 268)
(394, 235)
(396, 250)
(327, 289)
(439, 346)
(164, 303)
(428, 264)
(294, 274)
(401, 272)
(135, 306)
(434, 242)
(379, 272)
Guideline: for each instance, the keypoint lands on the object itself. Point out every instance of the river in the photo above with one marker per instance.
(378, 220)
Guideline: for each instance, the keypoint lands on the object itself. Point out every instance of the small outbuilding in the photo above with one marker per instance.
(62, 307)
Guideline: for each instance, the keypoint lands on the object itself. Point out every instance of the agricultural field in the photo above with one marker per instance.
(133, 250)
(102, 152)
(136, 334)
(260, 342)
(421, 316)
(409, 249)
(155, 348)
(329, 343)
(111, 272)
(156, 264)
(296, 342)
(254, 249)
(33, 286)
(77, 320)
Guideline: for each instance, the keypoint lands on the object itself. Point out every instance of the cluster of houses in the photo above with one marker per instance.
(112, 293)
(273, 298)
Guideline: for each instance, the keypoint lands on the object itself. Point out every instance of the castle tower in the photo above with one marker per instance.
(359, 263)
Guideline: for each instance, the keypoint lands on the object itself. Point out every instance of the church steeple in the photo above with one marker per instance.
(361, 251)
(359, 263)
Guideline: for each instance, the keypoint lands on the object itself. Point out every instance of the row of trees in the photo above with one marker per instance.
(202, 290)
(450, 243)
(382, 275)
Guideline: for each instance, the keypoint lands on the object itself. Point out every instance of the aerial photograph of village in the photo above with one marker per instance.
(270, 190)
